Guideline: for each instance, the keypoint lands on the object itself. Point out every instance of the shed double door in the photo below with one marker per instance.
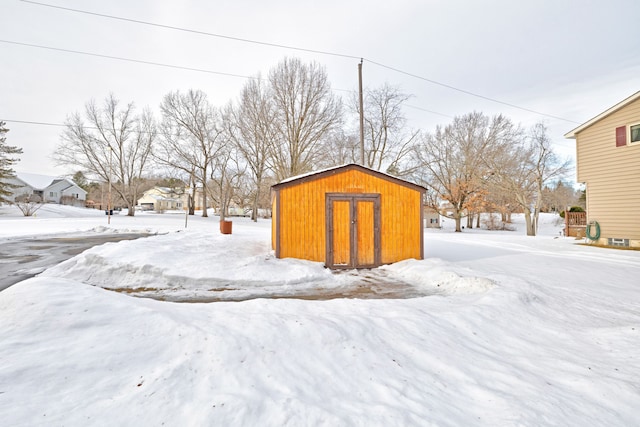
(353, 230)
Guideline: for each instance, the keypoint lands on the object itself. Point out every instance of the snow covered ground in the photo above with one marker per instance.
(513, 330)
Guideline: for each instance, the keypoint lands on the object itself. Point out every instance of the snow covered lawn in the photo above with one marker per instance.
(517, 331)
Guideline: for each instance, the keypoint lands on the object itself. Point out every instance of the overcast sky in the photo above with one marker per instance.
(569, 60)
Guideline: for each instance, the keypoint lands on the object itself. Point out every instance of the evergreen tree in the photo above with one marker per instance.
(81, 180)
(6, 162)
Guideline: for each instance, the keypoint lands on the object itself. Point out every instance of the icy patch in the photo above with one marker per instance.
(111, 230)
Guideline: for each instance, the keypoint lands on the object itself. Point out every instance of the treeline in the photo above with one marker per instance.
(291, 122)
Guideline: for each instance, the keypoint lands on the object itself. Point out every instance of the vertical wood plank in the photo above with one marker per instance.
(341, 232)
(365, 232)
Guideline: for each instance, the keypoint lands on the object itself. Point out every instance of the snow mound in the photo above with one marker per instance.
(197, 266)
(435, 275)
(192, 265)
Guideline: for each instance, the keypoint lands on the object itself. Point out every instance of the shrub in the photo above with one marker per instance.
(572, 209)
(493, 222)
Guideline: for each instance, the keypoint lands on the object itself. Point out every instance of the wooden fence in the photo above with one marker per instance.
(575, 224)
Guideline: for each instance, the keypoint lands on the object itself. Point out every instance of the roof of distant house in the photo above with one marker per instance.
(38, 182)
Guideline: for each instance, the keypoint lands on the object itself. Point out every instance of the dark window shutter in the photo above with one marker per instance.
(621, 136)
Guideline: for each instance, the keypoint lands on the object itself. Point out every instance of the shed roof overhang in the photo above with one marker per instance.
(295, 180)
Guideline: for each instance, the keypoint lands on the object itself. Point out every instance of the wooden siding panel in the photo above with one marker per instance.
(302, 213)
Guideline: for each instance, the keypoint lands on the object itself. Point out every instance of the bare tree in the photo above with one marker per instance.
(450, 161)
(386, 138)
(226, 174)
(251, 126)
(306, 112)
(500, 200)
(114, 146)
(28, 203)
(191, 136)
(524, 168)
(340, 148)
(558, 196)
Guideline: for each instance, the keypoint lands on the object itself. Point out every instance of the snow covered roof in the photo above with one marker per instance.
(38, 182)
(42, 182)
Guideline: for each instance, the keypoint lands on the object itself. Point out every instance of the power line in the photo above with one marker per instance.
(469, 93)
(119, 58)
(428, 111)
(187, 30)
(169, 66)
(282, 46)
(28, 122)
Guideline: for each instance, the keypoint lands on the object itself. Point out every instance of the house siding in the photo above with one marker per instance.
(61, 189)
(162, 198)
(611, 175)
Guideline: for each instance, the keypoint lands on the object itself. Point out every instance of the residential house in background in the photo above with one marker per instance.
(161, 199)
(431, 217)
(50, 189)
(608, 163)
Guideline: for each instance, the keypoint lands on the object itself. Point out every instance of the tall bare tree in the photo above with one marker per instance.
(191, 136)
(524, 167)
(306, 111)
(340, 148)
(559, 195)
(451, 160)
(252, 128)
(227, 172)
(387, 140)
(114, 144)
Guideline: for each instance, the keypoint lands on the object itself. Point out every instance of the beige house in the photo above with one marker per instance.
(608, 162)
(431, 217)
(162, 199)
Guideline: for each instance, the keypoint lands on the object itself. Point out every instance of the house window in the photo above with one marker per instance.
(51, 194)
(634, 133)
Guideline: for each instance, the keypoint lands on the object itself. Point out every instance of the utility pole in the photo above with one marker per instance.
(361, 113)
(109, 200)
(186, 211)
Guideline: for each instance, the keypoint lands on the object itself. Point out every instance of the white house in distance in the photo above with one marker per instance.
(163, 198)
(50, 189)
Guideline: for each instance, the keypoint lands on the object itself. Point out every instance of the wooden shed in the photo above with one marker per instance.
(347, 217)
